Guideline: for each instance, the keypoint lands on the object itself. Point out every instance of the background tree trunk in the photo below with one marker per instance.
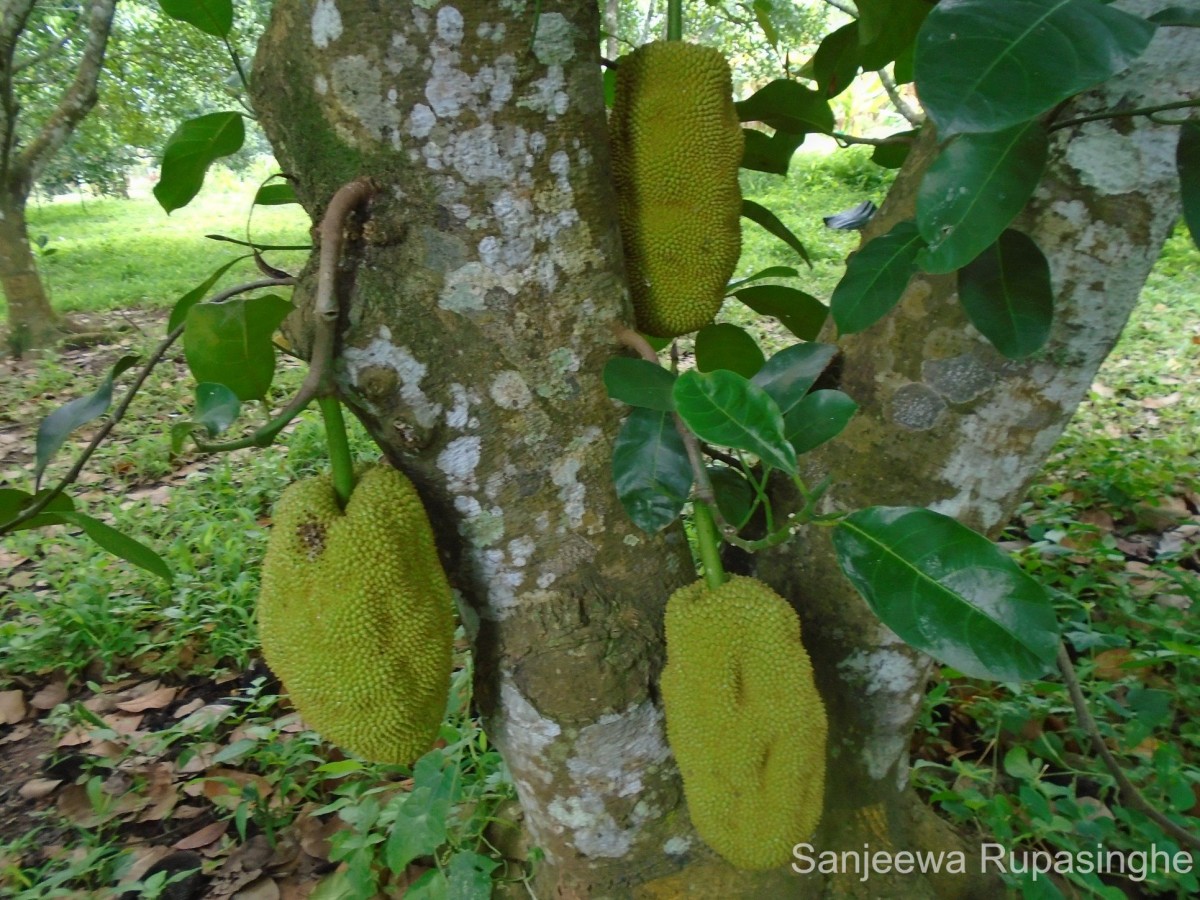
(31, 320)
(484, 283)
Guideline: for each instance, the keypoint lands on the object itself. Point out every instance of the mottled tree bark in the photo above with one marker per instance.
(482, 288)
(31, 320)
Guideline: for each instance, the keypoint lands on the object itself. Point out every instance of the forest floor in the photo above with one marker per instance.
(145, 751)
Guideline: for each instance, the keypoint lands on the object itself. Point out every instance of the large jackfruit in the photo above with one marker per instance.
(355, 614)
(676, 148)
(744, 720)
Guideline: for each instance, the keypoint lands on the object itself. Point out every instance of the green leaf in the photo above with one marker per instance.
(791, 373)
(1177, 15)
(275, 195)
(12, 501)
(769, 272)
(1187, 159)
(420, 826)
(818, 418)
(639, 382)
(230, 343)
(196, 145)
(1006, 294)
(788, 106)
(430, 886)
(986, 66)
(651, 471)
(180, 310)
(887, 28)
(726, 346)
(180, 432)
(974, 189)
(836, 62)
(768, 220)
(213, 17)
(57, 426)
(949, 592)
(735, 495)
(470, 876)
(892, 156)
(724, 408)
(875, 278)
(800, 313)
(217, 407)
(769, 153)
(119, 544)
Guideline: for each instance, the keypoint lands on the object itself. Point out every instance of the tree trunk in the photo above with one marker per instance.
(31, 320)
(483, 286)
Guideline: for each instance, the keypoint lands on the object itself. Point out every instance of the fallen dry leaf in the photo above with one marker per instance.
(153, 700)
(188, 708)
(203, 837)
(263, 889)
(1162, 402)
(75, 736)
(22, 731)
(38, 788)
(12, 707)
(50, 696)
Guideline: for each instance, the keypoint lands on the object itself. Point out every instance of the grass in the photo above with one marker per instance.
(1007, 762)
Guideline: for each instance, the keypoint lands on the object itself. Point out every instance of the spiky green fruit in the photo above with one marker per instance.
(676, 147)
(355, 614)
(744, 720)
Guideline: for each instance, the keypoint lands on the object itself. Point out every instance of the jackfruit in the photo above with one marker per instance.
(355, 614)
(676, 147)
(744, 720)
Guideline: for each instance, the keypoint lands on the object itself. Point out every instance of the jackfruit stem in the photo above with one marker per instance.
(340, 464)
(710, 545)
(674, 20)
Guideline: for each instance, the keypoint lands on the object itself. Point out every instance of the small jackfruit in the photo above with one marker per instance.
(744, 720)
(676, 147)
(355, 614)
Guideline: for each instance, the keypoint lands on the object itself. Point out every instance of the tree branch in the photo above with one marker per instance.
(13, 17)
(1130, 795)
(78, 99)
(844, 7)
(1124, 113)
(915, 117)
(847, 139)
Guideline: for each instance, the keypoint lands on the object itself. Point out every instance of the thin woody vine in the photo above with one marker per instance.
(744, 719)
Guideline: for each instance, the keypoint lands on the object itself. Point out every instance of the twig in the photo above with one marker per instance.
(1124, 113)
(914, 116)
(847, 139)
(1130, 795)
(241, 243)
(316, 382)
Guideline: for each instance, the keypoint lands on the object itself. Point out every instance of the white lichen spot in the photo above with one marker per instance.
(526, 735)
(358, 85)
(882, 670)
(458, 462)
(458, 415)
(554, 43)
(519, 551)
(464, 290)
(409, 372)
(321, 84)
(421, 121)
(326, 24)
(546, 579)
(509, 390)
(631, 540)
(677, 846)
(479, 527)
(450, 25)
(595, 832)
(563, 473)
(612, 755)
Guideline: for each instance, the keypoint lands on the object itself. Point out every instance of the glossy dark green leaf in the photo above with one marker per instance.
(886, 28)
(836, 62)
(875, 278)
(759, 214)
(279, 194)
(987, 66)
(949, 592)
(650, 469)
(470, 876)
(974, 189)
(230, 343)
(1006, 293)
(1187, 158)
(213, 17)
(800, 313)
(902, 71)
(196, 145)
(12, 501)
(769, 153)
(892, 156)
(818, 418)
(735, 495)
(56, 427)
(726, 409)
(639, 382)
(1177, 15)
(180, 310)
(217, 407)
(768, 272)
(726, 346)
(790, 374)
(787, 106)
(119, 544)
